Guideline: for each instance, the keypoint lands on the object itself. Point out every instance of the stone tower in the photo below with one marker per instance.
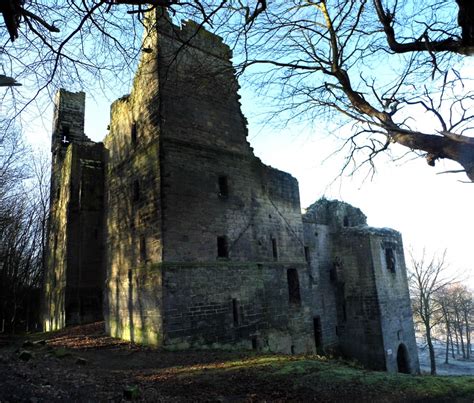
(360, 294)
(74, 276)
(202, 237)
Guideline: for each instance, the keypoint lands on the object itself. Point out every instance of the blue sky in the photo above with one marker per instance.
(431, 211)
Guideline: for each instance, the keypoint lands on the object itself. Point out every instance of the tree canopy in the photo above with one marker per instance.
(393, 71)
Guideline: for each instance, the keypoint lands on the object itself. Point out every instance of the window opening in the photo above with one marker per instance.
(223, 186)
(274, 249)
(222, 246)
(390, 259)
(143, 254)
(346, 221)
(133, 133)
(306, 254)
(293, 286)
(254, 343)
(236, 311)
(136, 190)
(317, 334)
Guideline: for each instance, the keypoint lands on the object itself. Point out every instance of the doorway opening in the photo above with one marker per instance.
(402, 360)
(318, 335)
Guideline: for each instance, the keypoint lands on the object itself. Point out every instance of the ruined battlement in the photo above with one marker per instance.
(195, 35)
(335, 214)
(189, 33)
(68, 119)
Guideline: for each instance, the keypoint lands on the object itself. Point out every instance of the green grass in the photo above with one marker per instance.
(313, 376)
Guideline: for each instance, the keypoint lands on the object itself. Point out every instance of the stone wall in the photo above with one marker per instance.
(377, 316)
(133, 216)
(394, 300)
(75, 268)
(319, 253)
(54, 282)
(360, 331)
(236, 306)
(75, 273)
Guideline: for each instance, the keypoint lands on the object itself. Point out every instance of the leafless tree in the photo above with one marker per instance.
(392, 70)
(462, 307)
(22, 232)
(426, 278)
(85, 44)
(456, 303)
(444, 300)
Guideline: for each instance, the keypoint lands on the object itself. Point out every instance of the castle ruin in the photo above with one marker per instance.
(178, 236)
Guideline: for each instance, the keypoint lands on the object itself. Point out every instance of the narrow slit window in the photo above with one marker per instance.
(306, 254)
(136, 190)
(133, 133)
(390, 259)
(236, 312)
(293, 286)
(143, 253)
(222, 246)
(274, 249)
(223, 186)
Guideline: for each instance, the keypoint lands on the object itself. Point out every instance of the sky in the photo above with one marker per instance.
(431, 211)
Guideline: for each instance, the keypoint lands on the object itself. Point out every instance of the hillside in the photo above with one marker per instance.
(81, 363)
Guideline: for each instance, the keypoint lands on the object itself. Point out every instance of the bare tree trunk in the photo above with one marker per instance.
(458, 351)
(452, 346)
(461, 336)
(468, 334)
(448, 336)
(446, 318)
(431, 350)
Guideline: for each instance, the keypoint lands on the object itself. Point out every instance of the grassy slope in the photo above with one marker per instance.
(237, 376)
(305, 378)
